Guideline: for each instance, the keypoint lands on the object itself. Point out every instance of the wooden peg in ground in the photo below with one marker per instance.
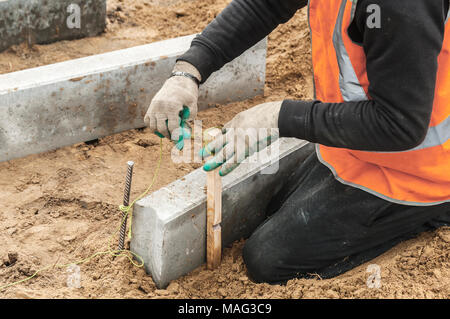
(213, 214)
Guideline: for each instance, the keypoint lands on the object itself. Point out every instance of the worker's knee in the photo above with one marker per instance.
(273, 256)
(261, 267)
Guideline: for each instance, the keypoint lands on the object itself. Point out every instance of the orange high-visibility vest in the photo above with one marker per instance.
(420, 176)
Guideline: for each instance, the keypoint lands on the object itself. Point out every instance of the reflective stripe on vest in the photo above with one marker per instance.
(351, 89)
(436, 135)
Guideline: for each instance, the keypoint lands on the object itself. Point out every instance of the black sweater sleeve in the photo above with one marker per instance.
(401, 66)
(238, 27)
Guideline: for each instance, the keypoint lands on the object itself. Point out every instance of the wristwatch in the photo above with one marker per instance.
(188, 75)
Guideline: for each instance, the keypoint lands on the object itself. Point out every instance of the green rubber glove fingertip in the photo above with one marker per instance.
(159, 134)
(210, 165)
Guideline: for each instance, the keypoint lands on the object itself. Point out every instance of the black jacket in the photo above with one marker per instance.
(401, 66)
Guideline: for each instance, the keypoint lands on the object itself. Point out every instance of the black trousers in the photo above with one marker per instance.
(318, 225)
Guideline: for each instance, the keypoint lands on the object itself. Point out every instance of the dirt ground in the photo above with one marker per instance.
(62, 205)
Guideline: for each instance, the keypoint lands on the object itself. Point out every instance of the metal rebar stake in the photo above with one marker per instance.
(126, 202)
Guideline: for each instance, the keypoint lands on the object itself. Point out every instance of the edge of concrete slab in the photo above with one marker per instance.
(169, 226)
(79, 100)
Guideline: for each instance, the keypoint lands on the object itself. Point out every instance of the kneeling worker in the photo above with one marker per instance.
(380, 121)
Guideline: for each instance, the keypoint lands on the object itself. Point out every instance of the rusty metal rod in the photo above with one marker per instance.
(126, 202)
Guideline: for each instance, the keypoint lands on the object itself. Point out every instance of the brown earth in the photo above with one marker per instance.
(62, 205)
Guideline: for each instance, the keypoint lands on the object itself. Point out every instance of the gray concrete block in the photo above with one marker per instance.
(80, 100)
(45, 21)
(169, 226)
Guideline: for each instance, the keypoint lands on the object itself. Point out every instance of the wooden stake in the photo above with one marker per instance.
(213, 219)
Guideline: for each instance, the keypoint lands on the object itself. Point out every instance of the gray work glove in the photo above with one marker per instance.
(163, 115)
(248, 132)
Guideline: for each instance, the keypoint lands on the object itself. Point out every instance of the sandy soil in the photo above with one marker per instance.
(62, 205)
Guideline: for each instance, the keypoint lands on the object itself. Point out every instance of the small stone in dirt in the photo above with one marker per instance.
(22, 295)
(54, 214)
(88, 205)
(11, 231)
(244, 278)
(162, 292)
(445, 236)
(222, 292)
(332, 294)
(25, 224)
(427, 252)
(11, 259)
(11, 225)
(173, 287)
(69, 237)
(144, 143)
(143, 289)
(180, 13)
(437, 273)
(25, 270)
(236, 267)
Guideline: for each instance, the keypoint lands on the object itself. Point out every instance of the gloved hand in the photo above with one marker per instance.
(248, 132)
(163, 115)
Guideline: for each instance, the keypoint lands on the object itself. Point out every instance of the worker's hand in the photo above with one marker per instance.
(248, 132)
(163, 115)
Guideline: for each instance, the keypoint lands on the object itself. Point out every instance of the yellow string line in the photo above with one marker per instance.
(115, 253)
